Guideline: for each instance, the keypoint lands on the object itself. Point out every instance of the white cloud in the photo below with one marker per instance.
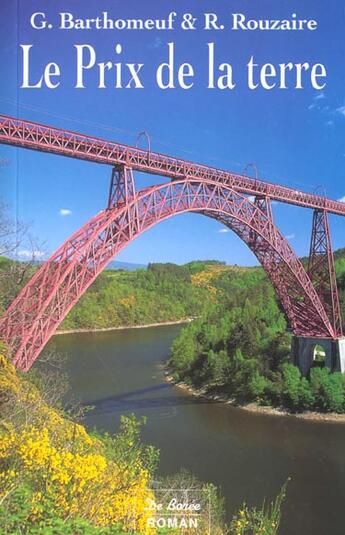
(342, 199)
(65, 211)
(30, 253)
(341, 110)
(223, 230)
(290, 236)
(316, 103)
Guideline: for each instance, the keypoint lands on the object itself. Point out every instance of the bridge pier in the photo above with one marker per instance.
(308, 352)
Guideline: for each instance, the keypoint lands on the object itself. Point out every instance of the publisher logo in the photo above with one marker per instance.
(188, 510)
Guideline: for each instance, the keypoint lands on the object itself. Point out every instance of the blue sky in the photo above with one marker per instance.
(295, 137)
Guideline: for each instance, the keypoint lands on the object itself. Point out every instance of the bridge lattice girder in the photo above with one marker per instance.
(43, 303)
(35, 136)
(321, 268)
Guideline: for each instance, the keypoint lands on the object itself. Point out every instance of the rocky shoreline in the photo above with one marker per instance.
(330, 417)
(123, 327)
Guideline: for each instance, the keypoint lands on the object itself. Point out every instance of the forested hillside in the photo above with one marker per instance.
(168, 292)
(162, 292)
(158, 293)
(241, 347)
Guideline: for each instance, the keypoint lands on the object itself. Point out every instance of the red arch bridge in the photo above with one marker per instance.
(308, 294)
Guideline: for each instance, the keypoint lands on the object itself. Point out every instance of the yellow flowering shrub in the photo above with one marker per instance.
(9, 381)
(255, 521)
(74, 480)
(128, 301)
(204, 278)
(69, 472)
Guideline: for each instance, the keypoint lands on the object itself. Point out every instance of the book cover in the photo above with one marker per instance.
(172, 267)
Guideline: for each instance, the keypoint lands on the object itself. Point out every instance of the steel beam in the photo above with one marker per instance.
(321, 269)
(43, 303)
(43, 138)
(122, 188)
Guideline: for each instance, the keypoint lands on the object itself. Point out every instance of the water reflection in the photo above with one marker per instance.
(141, 399)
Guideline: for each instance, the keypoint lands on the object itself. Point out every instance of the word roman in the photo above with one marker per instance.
(181, 523)
(169, 74)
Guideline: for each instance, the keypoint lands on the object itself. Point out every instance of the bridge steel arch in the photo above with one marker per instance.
(43, 303)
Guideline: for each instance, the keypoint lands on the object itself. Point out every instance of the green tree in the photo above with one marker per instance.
(183, 353)
(291, 386)
(328, 389)
(216, 367)
(258, 386)
(307, 398)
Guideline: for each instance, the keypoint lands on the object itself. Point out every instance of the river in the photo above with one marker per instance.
(247, 455)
